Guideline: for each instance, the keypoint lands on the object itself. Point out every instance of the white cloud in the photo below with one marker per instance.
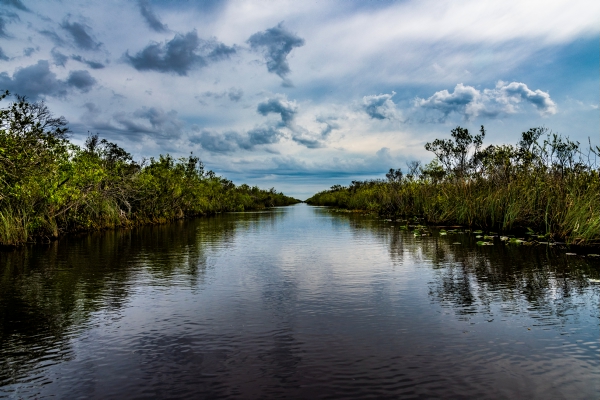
(471, 102)
(380, 106)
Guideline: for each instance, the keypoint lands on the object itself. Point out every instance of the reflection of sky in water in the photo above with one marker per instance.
(296, 301)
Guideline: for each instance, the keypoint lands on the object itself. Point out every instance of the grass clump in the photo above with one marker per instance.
(545, 182)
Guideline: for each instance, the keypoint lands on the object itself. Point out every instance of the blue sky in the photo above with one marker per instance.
(304, 95)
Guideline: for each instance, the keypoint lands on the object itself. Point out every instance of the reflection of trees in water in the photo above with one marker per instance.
(48, 293)
(474, 279)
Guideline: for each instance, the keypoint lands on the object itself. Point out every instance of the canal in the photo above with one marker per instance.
(296, 302)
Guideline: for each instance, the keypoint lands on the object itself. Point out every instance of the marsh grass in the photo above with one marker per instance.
(547, 184)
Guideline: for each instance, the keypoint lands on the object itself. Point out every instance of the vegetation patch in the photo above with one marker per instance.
(49, 186)
(545, 187)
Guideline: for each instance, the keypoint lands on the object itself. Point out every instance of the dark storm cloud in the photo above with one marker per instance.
(89, 63)
(276, 44)
(81, 79)
(3, 56)
(81, 34)
(28, 51)
(14, 3)
(262, 135)
(279, 105)
(380, 106)
(218, 51)
(37, 80)
(180, 54)
(151, 18)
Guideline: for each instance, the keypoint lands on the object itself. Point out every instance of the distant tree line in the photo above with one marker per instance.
(49, 186)
(545, 182)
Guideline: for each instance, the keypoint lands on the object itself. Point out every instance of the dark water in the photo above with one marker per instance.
(297, 302)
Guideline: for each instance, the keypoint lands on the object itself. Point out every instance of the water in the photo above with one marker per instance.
(296, 302)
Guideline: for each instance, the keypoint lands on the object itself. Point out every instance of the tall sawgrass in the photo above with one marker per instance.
(550, 186)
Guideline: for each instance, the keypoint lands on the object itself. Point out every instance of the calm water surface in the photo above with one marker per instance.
(296, 302)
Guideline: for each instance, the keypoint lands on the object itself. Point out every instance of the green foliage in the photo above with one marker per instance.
(548, 184)
(49, 186)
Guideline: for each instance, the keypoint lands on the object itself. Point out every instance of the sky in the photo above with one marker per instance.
(303, 95)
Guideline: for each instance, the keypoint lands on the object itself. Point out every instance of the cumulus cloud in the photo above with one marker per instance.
(330, 125)
(471, 102)
(151, 18)
(180, 54)
(218, 143)
(37, 80)
(279, 105)
(81, 35)
(81, 80)
(515, 92)
(276, 44)
(151, 123)
(269, 133)
(287, 110)
(465, 100)
(380, 106)
(262, 135)
(307, 139)
(165, 123)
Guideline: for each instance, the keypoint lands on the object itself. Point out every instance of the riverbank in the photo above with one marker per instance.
(50, 186)
(548, 186)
